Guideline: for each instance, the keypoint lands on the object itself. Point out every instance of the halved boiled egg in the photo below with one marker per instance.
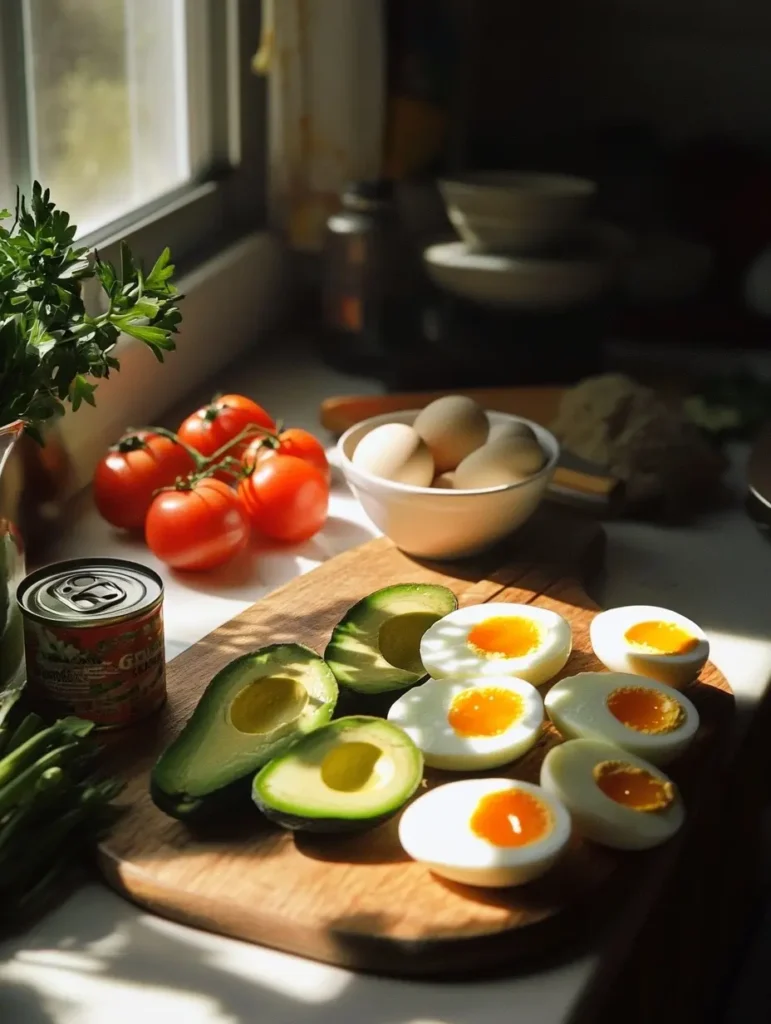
(487, 832)
(470, 724)
(497, 640)
(650, 641)
(648, 718)
(613, 797)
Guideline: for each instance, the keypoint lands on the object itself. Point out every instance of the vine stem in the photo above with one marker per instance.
(204, 462)
(219, 461)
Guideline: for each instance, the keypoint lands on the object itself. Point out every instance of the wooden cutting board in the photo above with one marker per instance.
(359, 901)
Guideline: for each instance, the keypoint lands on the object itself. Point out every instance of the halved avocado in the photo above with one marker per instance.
(351, 774)
(252, 710)
(375, 648)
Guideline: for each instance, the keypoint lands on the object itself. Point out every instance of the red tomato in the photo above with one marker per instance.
(199, 528)
(293, 441)
(212, 426)
(131, 472)
(286, 498)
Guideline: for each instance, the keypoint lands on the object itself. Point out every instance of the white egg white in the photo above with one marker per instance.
(436, 831)
(578, 707)
(567, 774)
(446, 653)
(422, 713)
(607, 633)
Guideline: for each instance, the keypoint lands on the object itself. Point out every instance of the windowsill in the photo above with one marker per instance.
(230, 302)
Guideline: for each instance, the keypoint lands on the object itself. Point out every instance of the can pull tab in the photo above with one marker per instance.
(88, 592)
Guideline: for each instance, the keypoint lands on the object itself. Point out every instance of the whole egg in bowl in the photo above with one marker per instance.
(486, 832)
(470, 724)
(648, 718)
(650, 641)
(497, 639)
(614, 797)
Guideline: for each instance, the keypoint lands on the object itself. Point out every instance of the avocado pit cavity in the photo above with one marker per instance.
(267, 704)
(399, 639)
(351, 767)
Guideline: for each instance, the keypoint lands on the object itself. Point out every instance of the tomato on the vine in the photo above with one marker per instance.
(199, 527)
(294, 441)
(286, 498)
(132, 471)
(214, 425)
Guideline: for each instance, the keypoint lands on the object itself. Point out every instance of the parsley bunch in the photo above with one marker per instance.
(49, 344)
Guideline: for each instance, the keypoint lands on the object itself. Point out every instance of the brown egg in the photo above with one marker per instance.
(509, 460)
(452, 427)
(514, 428)
(395, 452)
(444, 482)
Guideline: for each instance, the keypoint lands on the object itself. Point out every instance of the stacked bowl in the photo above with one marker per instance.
(525, 241)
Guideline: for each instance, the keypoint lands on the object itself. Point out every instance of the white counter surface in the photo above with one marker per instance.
(97, 959)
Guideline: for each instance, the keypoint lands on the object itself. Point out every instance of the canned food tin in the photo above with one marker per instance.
(93, 638)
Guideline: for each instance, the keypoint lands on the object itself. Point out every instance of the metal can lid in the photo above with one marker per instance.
(89, 591)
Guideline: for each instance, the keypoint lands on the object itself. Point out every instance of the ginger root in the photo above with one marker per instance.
(668, 467)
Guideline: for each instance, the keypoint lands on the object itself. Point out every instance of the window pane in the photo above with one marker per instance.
(107, 103)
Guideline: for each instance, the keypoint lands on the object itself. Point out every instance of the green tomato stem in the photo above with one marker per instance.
(198, 459)
(251, 430)
(207, 465)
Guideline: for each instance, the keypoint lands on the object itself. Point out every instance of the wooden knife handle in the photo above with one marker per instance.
(539, 404)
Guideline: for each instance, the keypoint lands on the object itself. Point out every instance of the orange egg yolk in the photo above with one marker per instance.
(511, 817)
(660, 638)
(485, 711)
(633, 787)
(505, 636)
(645, 710)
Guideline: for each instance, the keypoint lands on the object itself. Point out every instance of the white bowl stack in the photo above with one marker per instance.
(525, 242)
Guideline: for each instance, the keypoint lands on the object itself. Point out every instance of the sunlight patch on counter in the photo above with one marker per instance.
(305, 981)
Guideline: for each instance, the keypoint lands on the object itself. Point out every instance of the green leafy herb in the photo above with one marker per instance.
(49, 344)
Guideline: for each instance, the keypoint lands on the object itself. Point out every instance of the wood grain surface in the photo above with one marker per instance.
(359, 901)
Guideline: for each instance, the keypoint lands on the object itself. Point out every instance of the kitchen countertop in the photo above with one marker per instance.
(98, 958)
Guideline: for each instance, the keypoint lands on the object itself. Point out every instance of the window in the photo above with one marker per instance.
(141, 116)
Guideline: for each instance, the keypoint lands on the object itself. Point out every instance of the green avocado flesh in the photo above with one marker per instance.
(350, 774)
(252, 710)
(376, 646)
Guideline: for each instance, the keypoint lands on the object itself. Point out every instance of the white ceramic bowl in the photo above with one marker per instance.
(501, 210)
(432, 523)
(512, 282)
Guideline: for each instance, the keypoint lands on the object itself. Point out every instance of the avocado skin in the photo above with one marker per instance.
(298, 823)
(356, 702)
(184, 807)
(203, 808)
(331, 822)
(385, 682)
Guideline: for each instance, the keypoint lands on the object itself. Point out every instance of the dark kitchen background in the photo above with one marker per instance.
(665, 104)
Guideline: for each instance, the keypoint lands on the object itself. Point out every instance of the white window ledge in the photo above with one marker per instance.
(230, 302)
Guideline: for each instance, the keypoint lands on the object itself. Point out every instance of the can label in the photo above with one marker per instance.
(112, 674)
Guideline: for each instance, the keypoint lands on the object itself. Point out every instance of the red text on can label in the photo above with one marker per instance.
(112, 674)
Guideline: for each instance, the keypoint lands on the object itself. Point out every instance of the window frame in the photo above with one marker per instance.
(225, 200)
